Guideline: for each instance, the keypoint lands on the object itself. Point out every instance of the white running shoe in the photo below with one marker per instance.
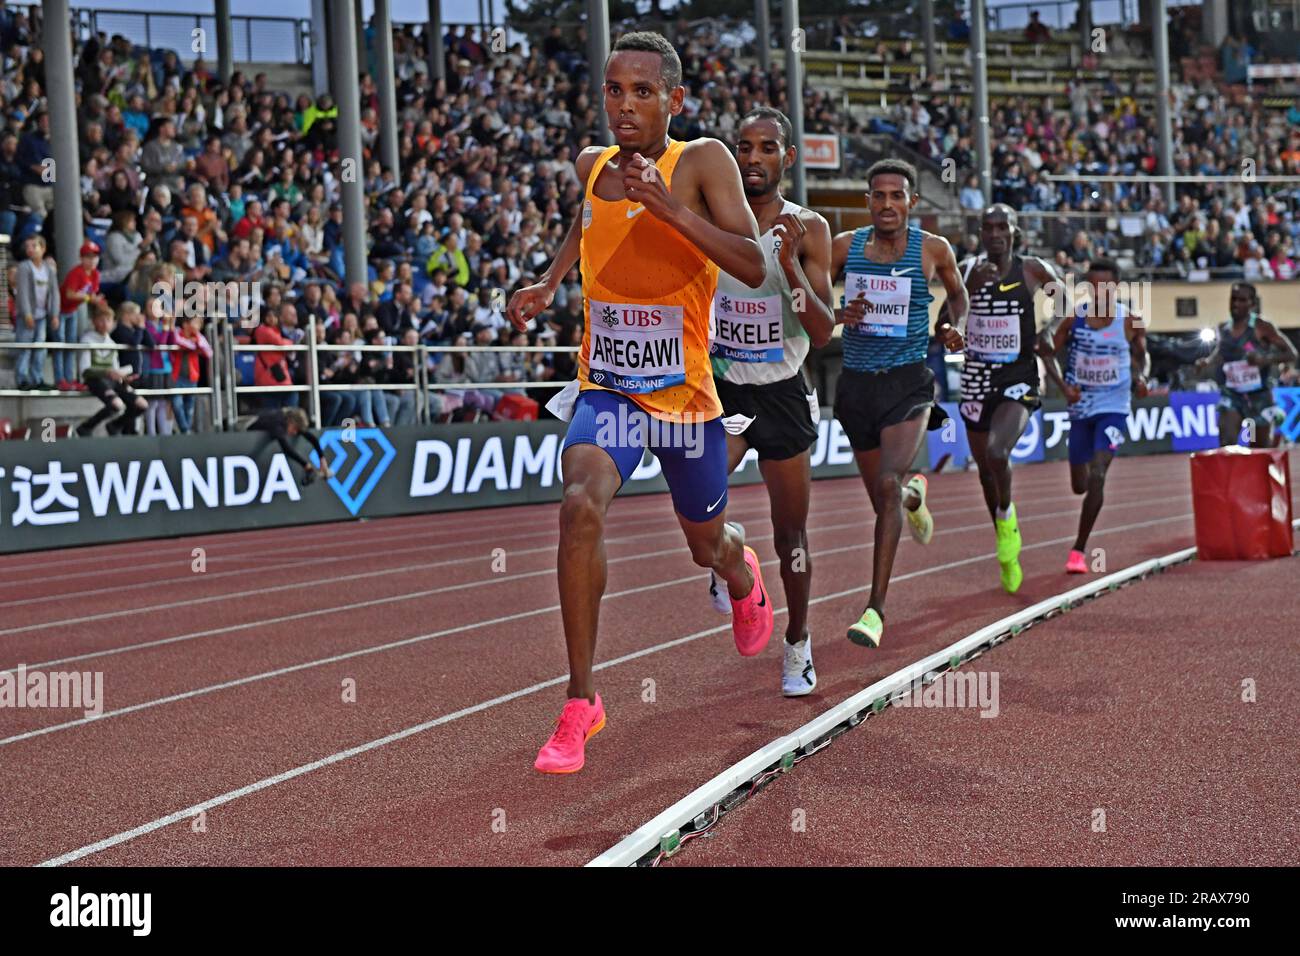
(797, 674)
(718, 588)
(718, 595)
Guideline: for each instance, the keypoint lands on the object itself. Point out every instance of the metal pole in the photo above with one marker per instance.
(313, 372)
(1085, 26)
(764, 39)
(320, 55)
(1160, 34)
(480, 19)
(927, 34)
(225, 41)
(597, 54)
(360, 39)
(65, 174)
(216, 375)
(232, 397)
(794, 46)
(980, 71)
(348, 98)
(387, 75)
(437, 55)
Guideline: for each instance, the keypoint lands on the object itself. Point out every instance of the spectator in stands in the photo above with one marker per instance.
(192, 343)
(78, 294)
(37, 308)
(11, 178)
(1035, 30)
(161, 323)
(35, 156)
(402, 372)
(163, 159)
(107, 379)
(130, 331)
(396, 315)
(270, 367)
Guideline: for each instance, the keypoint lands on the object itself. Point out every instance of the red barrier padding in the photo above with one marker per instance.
(516, 408)
(1242, 501)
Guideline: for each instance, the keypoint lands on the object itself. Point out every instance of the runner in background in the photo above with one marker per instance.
(1106, 365)
(999, 380)
(1245, 364)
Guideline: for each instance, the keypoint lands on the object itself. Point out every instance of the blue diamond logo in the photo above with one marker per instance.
(349, 460)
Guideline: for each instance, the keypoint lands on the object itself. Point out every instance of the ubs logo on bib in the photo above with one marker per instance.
(608, 317)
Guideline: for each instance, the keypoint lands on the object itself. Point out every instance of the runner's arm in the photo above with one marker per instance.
(1138, 356)
(567, 255)
(1210, 362)
(1050, 343)
(529, 301)
(730, 235)
(1282, 352)
(949, 328)
(839, 258)
(810, 273)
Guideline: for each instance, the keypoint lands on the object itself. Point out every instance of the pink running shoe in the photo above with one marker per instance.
(578, 723)
(752, 616)
(1077, 564)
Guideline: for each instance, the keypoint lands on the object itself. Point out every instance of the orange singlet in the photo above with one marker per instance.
(648, 296)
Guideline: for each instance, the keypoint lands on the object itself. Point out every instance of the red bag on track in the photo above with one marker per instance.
(1242, 501)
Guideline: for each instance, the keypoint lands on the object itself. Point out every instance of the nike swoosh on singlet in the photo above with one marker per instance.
(899, 272)
(1007, 288)
(635, 212)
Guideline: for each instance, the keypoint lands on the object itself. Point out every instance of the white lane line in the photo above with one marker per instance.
(367, 531)
(496, 579)
(757, 510)
(445, 632)
(263, 784)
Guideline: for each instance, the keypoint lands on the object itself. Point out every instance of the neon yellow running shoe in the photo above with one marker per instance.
(1008, 532)
(920, 521)
(868, 629)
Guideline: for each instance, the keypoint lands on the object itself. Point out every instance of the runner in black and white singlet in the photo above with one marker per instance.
(1245, 364)
(760, 340)
(999, 380)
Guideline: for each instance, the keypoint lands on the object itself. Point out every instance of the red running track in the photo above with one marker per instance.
(1123, 737)
(224, 689)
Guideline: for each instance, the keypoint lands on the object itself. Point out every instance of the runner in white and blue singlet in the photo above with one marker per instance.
(885, 393)
(761, 337)
(1106, 365)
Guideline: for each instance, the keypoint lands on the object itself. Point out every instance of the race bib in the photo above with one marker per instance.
(993, 338)
(1098, 370)
(635, 348)
(748, 329)
(1241, 376)
(889, 303)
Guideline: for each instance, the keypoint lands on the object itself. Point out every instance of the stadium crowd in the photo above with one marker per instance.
(184, 175)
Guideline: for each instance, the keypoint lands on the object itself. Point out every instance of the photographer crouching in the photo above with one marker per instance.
(283, 424)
